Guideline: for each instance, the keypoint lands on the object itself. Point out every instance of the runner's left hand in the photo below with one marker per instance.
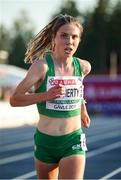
(85, 119)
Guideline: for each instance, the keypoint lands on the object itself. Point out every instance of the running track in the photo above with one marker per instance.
(103, 157)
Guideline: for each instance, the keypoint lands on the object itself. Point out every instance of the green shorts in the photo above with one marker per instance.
(51, 149)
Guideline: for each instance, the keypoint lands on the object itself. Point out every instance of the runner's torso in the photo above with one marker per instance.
(62, 115)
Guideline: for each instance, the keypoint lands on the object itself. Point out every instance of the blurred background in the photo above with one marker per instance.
(20, 20)
(100, 44)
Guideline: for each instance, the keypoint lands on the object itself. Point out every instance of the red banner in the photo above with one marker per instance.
(103, 93)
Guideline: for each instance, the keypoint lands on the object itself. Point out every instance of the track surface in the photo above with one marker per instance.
(103, 157)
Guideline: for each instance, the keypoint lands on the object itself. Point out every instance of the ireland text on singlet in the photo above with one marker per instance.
(68, 105)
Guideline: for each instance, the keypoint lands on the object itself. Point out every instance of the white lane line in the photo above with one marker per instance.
(104, 149)
(16, 158)
(103, 136)
(116, 171)
(90, 154)
(27, 175)
(33, 173)
(31, 143)
(16, 146)
(31, 154)
(15, 137)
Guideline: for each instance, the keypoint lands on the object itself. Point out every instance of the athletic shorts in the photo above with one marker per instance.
(51, 149)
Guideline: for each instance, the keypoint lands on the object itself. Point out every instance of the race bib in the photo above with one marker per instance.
(73, 88)
(83, 142)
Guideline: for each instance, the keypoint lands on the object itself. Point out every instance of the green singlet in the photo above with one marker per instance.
(69, 104)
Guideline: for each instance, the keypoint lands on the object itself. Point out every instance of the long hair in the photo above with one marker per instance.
(42, 42)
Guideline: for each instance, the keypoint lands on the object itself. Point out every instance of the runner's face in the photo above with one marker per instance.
(67, 40)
